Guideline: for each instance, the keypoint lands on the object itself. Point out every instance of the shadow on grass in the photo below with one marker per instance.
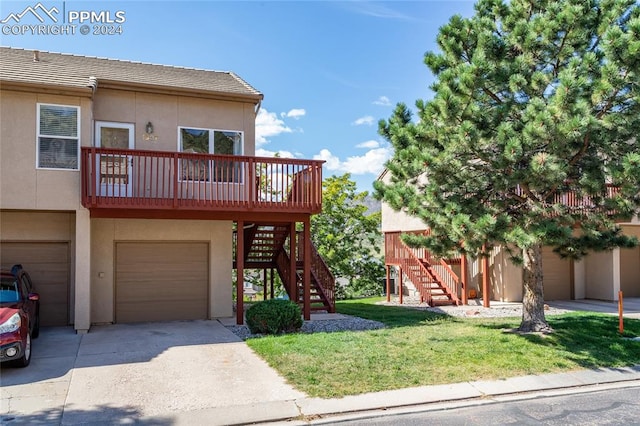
(589, 339)
(392, 316)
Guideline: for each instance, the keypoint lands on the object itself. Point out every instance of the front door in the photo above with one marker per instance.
(114, 169)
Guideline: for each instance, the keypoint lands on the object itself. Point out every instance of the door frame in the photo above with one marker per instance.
(119, 190)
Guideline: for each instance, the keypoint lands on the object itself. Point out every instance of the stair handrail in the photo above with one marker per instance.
(451, 281)
(324, 276)
(319, 268)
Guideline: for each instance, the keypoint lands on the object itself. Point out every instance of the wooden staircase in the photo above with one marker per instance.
(268, 246)
(434, 279)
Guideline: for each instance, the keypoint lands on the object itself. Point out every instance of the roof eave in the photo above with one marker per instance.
(181, 91)
(53, 89)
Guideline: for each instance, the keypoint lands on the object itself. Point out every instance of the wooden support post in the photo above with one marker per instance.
(307, 269)
(293, 264)
(264, 284)
(485, 280)
(240, 273)
(400, 277)
(271, 282)
(388, 268)
(620, 313)
(464, 278)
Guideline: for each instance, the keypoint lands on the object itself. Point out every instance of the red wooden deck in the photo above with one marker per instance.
(126, 183)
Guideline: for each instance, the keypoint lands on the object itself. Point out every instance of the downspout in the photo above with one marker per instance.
(93, 84)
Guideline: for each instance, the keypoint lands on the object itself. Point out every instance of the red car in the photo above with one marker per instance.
(19, 316)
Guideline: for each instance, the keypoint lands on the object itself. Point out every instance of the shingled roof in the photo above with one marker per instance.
(41, 68)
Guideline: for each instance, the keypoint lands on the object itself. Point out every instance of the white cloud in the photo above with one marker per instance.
(379, 11)
(268, 124)
(368, 120)
(266, 153)
(382, 100)
(372, 162)
(295, 113)
(331, 161)
(368, 144)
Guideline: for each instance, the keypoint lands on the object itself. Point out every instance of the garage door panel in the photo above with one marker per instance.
(140, 272)
(152, 291)
(556, 275)
(161, 311)
(161, 281)
(48, 265)
(177, 253)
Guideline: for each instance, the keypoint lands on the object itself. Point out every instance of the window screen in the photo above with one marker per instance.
(58, 140)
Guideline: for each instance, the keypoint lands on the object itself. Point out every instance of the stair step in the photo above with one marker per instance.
(442, 302)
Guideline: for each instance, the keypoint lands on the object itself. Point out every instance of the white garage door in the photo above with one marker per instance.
(161, 281)
(49, 268)
(556, 275)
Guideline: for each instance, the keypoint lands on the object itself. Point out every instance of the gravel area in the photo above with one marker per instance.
(475, 309)
(347, 323)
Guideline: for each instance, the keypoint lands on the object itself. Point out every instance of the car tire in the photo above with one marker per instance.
(36, 327)
(26, 355)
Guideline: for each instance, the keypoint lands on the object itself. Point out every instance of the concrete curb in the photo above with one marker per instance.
(318, 411)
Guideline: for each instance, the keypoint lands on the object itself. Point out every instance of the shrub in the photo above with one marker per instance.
(274, 316)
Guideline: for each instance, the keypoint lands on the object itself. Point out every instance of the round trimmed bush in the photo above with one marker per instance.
(274, 316)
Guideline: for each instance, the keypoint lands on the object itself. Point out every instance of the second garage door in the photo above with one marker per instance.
(161, 281)
(556, 275)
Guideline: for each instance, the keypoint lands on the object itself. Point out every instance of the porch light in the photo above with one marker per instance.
(149, 128)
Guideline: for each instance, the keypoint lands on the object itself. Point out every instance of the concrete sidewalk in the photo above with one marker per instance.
(304, 411)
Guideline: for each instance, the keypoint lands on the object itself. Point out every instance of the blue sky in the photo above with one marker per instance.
(329, 70)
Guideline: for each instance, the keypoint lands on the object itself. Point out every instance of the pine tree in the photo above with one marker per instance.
(535, 102)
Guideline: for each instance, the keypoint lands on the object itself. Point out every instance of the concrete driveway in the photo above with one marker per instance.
(136, 373)
(631, 306)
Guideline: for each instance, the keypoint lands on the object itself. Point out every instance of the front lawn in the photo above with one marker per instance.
(422, 348)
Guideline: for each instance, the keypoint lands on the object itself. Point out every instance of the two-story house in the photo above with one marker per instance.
(130, 191)
(600, 275)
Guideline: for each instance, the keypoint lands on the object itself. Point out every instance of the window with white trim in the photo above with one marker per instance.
(210, 141)
(58, 137)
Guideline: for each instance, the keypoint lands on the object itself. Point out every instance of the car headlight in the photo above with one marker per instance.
(11, 325)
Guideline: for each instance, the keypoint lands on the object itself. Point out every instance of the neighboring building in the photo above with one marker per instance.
(130, 191)
(599, 275)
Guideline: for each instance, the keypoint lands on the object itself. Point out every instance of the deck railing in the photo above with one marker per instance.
(579, 204)
(135, 179)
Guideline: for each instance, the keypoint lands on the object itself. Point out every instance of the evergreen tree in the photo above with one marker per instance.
(536, 103)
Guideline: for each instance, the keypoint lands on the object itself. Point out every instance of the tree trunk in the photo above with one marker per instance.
(533, 319)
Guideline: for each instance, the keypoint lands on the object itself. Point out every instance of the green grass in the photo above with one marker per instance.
(422, 348)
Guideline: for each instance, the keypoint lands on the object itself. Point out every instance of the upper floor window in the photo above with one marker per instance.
(210, 141)
(58, 137)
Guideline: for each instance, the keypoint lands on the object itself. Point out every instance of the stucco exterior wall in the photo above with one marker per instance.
(37, 226)
(579, 279)
(505, 278)
(630, 265)
(398, 220)
(167, 112)
(22, 185)
(106, 232)
(599, 270)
